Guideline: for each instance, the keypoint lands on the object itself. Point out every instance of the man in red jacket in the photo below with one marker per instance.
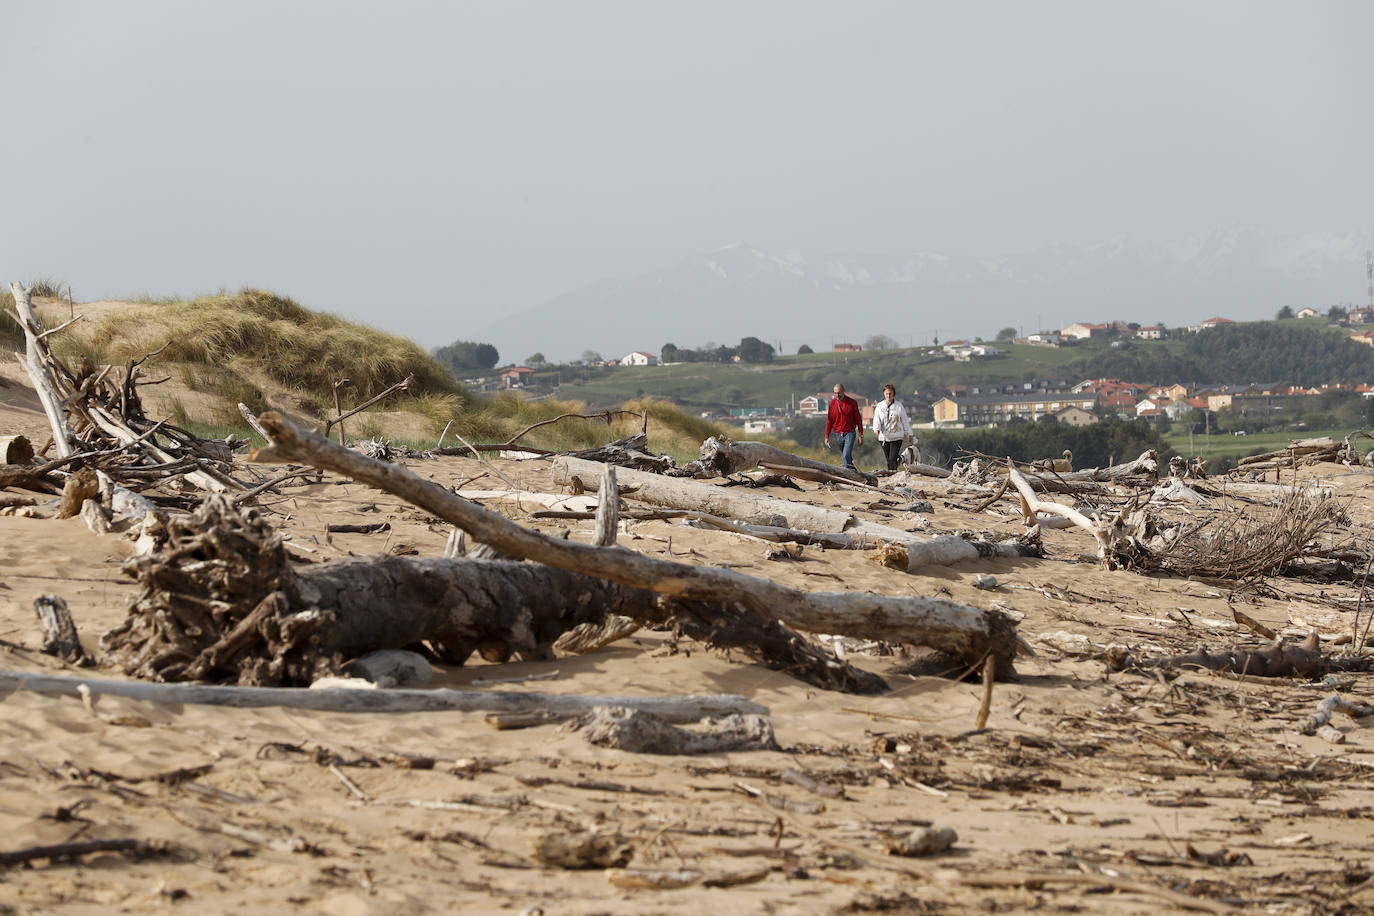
(843, 419)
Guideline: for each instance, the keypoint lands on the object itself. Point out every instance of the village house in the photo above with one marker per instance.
(1215, 322)
(1075, 416)
(1082, 330)
(755, 426)
(1118, 401)
(814, 404)
(983, 409)
(639, 358)
(1181, 408)
(847, 348)
(1152, 332)
(967, 354)
(1045, 339)
(515, 376)
(952, 346)
(1148, 404)
(1308, 311)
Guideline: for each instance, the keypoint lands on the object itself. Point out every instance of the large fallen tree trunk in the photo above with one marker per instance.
(967, 633)
(222, 602)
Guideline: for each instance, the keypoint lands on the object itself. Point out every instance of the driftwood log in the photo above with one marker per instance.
(1117, 535)
(1278, 659)
(726, 502)
(59, 632)
(222, 602)
(688, 708)
(36, 356)
(967, 633)
(810, 524)
(15, 450)
(724, 456)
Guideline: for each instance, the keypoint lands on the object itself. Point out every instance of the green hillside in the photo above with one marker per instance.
(1294, 351)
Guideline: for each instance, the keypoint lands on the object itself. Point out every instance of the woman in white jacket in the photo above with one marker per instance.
(892, 425)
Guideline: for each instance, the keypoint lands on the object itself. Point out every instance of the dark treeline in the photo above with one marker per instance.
(1099, 445)
(1243, 353)
(750, 350)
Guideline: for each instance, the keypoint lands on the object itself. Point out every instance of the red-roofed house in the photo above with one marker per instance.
(515, 376)
(1120, 403)
(1215, 322)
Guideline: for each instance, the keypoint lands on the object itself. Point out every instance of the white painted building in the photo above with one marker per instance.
(639, 358)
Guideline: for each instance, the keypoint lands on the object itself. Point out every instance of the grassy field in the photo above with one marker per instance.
(1220, 445)
(717, 386)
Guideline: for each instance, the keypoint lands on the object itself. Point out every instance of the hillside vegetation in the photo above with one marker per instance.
(269, 352)
(1292, 351)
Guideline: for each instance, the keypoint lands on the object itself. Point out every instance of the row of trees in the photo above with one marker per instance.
(466, 356)
(749, 350)
(1334, 313)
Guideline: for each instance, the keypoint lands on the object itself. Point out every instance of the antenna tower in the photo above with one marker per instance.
(1369, 275)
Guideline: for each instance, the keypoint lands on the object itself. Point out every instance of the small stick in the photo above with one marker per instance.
(798, 778)
(349, 784)
(546, 676)
(986, 707)
(63, 850)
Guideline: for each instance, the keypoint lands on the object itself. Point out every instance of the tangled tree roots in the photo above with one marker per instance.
(220, 574)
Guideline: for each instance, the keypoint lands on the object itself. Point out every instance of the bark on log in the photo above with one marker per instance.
(644, 733)
(967, 633)
(15, 450)
(81, 486)
(59, 632)
(726, 456)
(686, 708)
(28, 477)
(1278, 659)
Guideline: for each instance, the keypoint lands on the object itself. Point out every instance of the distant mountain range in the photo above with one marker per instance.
(723, 295)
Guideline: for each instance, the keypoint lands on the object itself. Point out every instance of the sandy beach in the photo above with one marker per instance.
(1132, 793)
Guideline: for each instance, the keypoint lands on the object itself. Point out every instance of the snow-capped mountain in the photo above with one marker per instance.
(740, 290)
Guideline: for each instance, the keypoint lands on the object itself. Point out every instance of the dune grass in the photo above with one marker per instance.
(252, 346)
(295, 346)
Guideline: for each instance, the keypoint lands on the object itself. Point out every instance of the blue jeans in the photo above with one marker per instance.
(847, 447)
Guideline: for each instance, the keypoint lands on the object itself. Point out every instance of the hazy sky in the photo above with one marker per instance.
(424, 167)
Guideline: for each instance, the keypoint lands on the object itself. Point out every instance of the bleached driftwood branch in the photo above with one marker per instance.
(688, 708)
(35, 362)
